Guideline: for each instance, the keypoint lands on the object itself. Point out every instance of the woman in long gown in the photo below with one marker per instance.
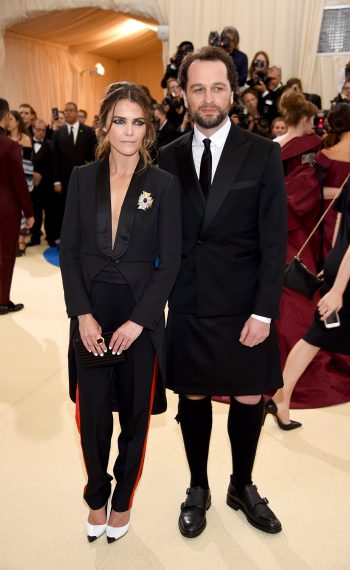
(326, 379)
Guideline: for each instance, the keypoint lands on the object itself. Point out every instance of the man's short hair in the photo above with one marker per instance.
(208, 53)
(233, 31)
(275, 67)
(72, 103)
(39, 122)
(4, 108)
(294, 81)
(160, 109)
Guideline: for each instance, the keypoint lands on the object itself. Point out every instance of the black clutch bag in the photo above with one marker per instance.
(301, 280)
(108, 359)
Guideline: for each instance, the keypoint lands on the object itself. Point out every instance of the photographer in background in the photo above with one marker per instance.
(173, 103)
(258, 70)
(295, 83)
(229, 41)
(255, 122)
(270, 91)
(175, 61)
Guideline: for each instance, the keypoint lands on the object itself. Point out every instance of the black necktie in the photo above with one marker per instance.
(205, 169)
(37, 142)
(71, 136)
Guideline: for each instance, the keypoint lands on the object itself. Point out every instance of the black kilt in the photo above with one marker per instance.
(205, 357)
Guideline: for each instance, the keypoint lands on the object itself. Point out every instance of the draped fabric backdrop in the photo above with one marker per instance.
(47, 72)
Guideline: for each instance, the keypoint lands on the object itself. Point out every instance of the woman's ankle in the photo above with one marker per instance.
(118, 518)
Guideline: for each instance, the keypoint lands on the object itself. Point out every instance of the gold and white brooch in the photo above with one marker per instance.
(145, 201)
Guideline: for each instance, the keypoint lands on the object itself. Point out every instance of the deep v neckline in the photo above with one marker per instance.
(127, 212)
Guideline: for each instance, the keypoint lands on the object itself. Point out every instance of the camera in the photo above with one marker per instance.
(261, 77)
(241, 113)
(215, 40)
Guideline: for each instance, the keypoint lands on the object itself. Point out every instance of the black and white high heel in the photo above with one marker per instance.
(113, 533)
(94, 531)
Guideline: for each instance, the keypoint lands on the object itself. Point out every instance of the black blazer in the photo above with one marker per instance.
(67, 156)
(233, 252)
(43, 163)
(142, 238)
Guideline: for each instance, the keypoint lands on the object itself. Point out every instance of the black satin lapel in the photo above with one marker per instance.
(103, 208)
(128, 210)
(188, 175)
(231, 160)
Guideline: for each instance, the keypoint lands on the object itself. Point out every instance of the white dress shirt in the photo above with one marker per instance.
(75, 130)
(218, 140)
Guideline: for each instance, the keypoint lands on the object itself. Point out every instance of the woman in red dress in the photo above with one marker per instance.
(326, 379)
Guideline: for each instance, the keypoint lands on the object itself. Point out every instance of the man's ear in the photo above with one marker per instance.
(232, 98)
(185, 99)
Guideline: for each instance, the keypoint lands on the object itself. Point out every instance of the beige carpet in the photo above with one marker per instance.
(305, 474)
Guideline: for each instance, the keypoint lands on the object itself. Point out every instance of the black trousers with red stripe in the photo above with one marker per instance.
(132, 386)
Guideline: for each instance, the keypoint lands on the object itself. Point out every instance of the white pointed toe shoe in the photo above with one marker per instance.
(115, 532)
(94, 531)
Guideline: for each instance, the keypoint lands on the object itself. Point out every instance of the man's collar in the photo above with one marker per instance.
(218, 138)
(75, 125)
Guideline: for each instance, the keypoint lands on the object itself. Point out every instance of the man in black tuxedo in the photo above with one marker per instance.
(44, 199)
(221, 338)
(166, 132)
(74, 145)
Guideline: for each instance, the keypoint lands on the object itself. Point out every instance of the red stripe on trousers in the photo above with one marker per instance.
(153, 389)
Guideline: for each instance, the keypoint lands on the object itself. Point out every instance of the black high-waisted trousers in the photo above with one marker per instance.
(132, 384)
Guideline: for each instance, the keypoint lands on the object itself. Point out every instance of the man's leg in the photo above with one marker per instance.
(244, 427)
(195, 418)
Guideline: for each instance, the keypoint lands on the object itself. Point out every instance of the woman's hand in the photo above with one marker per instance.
(90, 331)
(124, 336)
(332, 301)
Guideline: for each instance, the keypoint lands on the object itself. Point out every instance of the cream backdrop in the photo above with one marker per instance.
(47, 74)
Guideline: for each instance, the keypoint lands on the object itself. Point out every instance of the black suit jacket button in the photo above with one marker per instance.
(199, 242)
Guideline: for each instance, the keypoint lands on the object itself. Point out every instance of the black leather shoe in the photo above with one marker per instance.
(192, 519)
(10, 308)
(254, 507)
(271, 408)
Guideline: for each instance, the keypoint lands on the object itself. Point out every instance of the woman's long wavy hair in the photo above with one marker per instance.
(115, 93)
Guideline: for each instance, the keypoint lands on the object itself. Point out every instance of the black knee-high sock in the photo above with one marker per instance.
(244, 427)
(195, 417)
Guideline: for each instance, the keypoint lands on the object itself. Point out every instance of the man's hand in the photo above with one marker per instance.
(124, 336)
(57, 187)
(254, 332)
(37, 178)
(29, 222)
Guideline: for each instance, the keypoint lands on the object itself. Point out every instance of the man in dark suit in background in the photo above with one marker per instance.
(74, 145)
(14, 197)
(44, 198)
(220, 334)
(166, 132)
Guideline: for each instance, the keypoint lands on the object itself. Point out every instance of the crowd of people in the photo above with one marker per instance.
(212, 134)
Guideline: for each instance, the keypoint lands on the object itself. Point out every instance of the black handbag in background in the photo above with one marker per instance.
(108, 359)
(297, 276)
(301, 280)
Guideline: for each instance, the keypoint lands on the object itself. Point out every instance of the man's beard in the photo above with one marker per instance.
(209, 122)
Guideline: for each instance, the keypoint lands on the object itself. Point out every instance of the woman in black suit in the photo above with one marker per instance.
(120, 254)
